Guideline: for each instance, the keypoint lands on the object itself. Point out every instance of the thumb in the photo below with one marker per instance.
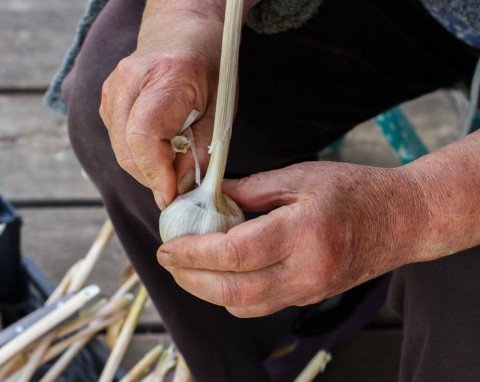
(261, 192)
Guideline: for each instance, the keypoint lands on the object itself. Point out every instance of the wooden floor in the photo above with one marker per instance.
(62, 212)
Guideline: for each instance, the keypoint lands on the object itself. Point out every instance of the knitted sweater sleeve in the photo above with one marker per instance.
(275, 16)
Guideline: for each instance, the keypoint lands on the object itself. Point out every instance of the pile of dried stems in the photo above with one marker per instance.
(77, 317)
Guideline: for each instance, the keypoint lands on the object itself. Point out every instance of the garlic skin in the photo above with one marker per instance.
(196, 213)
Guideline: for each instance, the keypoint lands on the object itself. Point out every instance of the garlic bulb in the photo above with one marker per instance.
(206, 209)
(196, 212)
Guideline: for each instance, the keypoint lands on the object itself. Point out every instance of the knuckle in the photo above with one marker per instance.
(240, 295)
(138, 141)
(126, 163)
(188, 93)
(176, 76)
(234, 260)
(252, 312)
(129, 166)
(149, 171)
(181, 91)
(231, 294)
(104, 92)
(125, 66)
(250, 180)
(193, 259)
(237, 294)
(309, 300)
(103, 116)
(104, 107)
(240, 312)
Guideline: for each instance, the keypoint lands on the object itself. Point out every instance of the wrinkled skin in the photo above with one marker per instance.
(332, 226)
(315, 243)
(148, 97)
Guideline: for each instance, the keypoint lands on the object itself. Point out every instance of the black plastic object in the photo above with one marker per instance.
(13, 286)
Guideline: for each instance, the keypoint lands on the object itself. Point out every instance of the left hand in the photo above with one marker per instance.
(332, 226)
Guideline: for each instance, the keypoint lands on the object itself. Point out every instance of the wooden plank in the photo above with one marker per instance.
(370, 356)
(365, 145)
(56, 238)
(35, 35)
(36, 160)
(433, 117)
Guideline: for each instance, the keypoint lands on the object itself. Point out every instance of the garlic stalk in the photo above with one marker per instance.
(206, 209)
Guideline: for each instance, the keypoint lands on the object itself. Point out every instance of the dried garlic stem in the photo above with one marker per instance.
(316, 366)
(142, 366)
(125, 335)
(227, 84)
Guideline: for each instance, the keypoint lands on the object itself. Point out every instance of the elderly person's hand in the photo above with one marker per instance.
(331, 227)
(150, 94)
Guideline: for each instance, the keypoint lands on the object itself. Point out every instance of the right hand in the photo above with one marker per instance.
(331, 226)
(148, 97)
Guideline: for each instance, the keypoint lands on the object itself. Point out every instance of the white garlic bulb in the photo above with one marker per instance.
(195, 213)
(206, 209)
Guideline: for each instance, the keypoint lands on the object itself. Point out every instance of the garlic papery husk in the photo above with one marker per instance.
(199, 212)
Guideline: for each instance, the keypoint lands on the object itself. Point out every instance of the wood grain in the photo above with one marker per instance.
(56, 238)
(36, 160)
(35, 35)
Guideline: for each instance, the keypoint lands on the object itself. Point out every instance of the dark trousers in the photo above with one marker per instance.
(299, 91)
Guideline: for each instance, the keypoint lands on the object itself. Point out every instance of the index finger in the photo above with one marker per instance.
(148, 135)
(252, 245)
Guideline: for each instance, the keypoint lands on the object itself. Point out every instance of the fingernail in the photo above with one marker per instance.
(165, 259)
(159, 200)
(187, 182)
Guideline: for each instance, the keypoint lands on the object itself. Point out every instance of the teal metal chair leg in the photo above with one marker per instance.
(401, 135)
